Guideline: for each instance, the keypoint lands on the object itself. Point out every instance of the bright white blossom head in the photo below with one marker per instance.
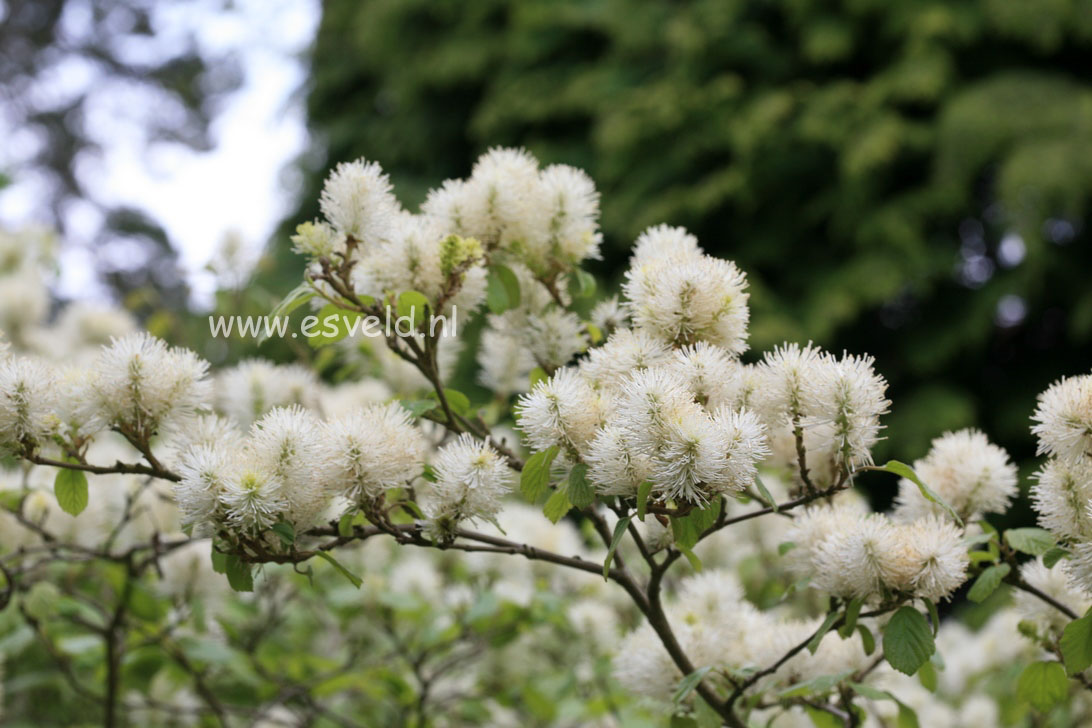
(967, 471)
(357, 200)
(142, 386)
(372, 450)
(28, 396)
(934, 557)
(470, 480)
(563, 410)
(1062, 495)
(1064, 418)
(844, 399)
(624, 352)
(781, 382)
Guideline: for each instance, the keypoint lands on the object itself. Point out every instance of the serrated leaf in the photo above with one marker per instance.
(581, 493)
(644, 490)
(905, 471)
(813, 643)
(557, 505)
(70, 487)
(616, 538)
(353, 578)
(1043, 684)
(1076, 645)
(535, 477)
(1031, 540)
(907, 640)
(987, 582)
(689, 683)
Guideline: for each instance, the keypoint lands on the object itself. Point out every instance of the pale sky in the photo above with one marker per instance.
(197, 197)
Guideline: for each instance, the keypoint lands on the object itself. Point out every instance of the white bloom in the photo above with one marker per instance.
(317, 239)
(471, 479)
(1064, 418)
(252, 498)
(965, 469)
(664, 241)
(649, 402)
(624, 352)
(714, 377)
(683, 302)
(1062, 496)
(572, 214)
(1054, 583)
(287, 442)
(372, 450)
(248, 390)
(1079, 567)
(28, 398)
(563, 410)
(450, 206)
(609, 315)
(554, 337)
(615, 466)
(504, 201)
(505, 363)
(844, 399)
(204, 469)
(934, 558)
(357, 200)
(142, 386)
(781, 379)
(859, 559)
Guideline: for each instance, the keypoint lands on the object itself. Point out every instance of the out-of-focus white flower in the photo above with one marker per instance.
(563, 410)
(1055, 583)
(1062, 496)
(248, 390)
(844, 399)
(357, 200)
(1064, 418)
(28, 399)
(1079, 567)
(609, 315)
(964, 468)
(859, 559)
(505, 363)
(471, 479)
(554, 337)
(372, 450)
(142, 386)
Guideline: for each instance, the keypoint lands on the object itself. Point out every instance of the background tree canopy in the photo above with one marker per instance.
(907, 179)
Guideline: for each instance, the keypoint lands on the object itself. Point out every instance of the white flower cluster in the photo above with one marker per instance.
(1063, 492)
(470, 478)
(851, 553)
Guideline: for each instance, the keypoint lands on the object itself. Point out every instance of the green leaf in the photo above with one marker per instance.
(1043, 684)
(535, 477)
(619, 531)
(853, 610)
(689, 683)
(70, 487)
(683, 531)
(816, 686)
(695, 562)
(345, 525)
(1076, 645)
(821, 718)
(927, 675)
(785, 547)
(334, 324)
(239, 573)
(581, 284)
(934, 615)
(298, 296)
(557, 505)
(511, 283)
(987, 582)
(813, 643)
(907, 640)
(643, 492)
(414, 305)
(765, 493)
(907, 718)
(457, 401)
(868, 642)
(1033, 541)
(418, 407)
(538, 374)
(353, 578)
(219, 561)
(496, 295)
(580, 490)
(594, 332)
(1053, 556)
(905, 471)
(286, 531)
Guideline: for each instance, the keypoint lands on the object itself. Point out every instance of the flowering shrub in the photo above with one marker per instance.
(697, 521)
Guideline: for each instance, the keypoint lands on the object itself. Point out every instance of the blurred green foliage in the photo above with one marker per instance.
(863, 161)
